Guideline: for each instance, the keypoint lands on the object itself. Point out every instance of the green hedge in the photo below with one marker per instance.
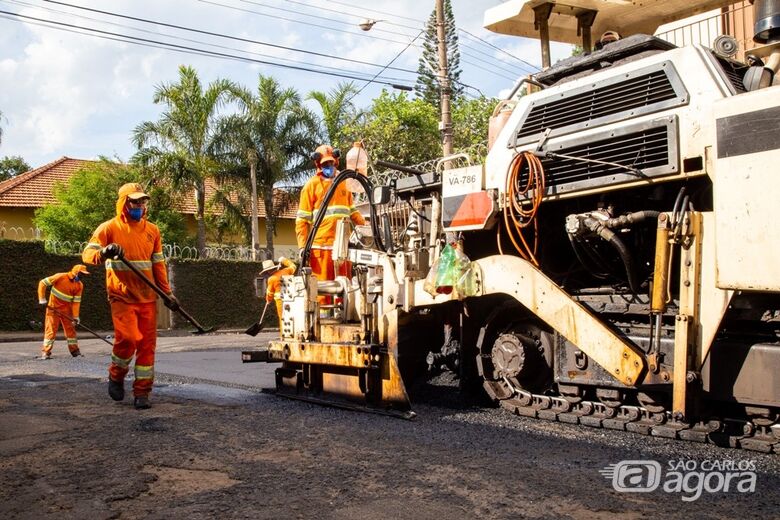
(23, 265)
(218, 293)
(215, 292)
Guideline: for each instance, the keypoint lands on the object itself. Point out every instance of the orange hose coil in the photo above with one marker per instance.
(518, 213)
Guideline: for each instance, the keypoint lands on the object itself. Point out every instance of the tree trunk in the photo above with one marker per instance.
(255, 226)
(200, 204)
(270, 221)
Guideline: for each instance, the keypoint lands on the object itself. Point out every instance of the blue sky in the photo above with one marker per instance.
(69, 94)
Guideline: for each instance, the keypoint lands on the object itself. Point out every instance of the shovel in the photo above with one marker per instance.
(71, 319)
(166, 299)
(257, 327)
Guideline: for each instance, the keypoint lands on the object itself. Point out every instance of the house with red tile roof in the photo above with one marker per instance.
(20, 196)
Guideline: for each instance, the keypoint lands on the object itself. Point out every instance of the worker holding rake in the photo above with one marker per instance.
(64, 302)
(125, 242)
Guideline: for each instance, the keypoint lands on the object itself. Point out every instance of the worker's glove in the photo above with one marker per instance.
(42, 302)
(112, 251)
(76, 320)
(172, 303)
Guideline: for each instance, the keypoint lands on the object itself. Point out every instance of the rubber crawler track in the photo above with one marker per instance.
(730, 433)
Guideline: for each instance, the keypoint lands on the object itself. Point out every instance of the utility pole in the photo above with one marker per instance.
(445, 125)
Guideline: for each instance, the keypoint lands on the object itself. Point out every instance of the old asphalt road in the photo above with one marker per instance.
(215, 446)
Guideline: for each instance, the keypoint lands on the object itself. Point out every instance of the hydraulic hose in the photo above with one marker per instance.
(341, 177)
(631, 218)
(598, 228)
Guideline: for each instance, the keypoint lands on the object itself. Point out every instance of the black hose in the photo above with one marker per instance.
(676, 207)
(631, 218)
(608, 235)
(341, 177)
(589, 262)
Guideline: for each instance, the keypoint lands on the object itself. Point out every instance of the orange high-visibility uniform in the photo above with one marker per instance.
(133, 303)
(65, 297)
(274, 286)
(341, 205)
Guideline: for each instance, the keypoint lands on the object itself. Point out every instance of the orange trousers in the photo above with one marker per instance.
(52, 325)
(135, 334)
(321, 262)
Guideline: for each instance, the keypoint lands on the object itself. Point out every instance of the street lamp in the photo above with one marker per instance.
(368, 23)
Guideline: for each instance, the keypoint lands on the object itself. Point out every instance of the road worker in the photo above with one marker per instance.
(274, 272)
(341, 205)
(62, 307)
(132, 237)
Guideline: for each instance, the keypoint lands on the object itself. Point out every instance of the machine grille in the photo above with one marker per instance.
(640, 92)
(734, 72)
(646, 150)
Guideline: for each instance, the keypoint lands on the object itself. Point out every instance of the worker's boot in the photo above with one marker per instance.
(76, 353)
(142, 403)
(44, 357)
(116, 390)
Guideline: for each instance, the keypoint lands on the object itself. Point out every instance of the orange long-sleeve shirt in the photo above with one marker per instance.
(341, 205)
(65, 293)
(142, 246)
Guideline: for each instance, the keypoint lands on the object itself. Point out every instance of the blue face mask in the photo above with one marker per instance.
(76, 278)
(135, 213)
(327, 170)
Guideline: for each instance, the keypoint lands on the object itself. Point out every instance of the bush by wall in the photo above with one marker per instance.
(218, 293)
(23, 265)
(215, 292)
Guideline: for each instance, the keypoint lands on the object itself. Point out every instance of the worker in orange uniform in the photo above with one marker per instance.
(62, 307)
(321, 260)
(133, 303)
(273, 291)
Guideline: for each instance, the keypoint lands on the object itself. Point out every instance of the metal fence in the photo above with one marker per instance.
(18, 232)
(735, 20)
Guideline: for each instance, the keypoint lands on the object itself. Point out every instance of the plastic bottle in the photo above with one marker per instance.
(357, 159)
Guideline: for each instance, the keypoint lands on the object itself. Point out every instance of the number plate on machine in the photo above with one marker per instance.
(465, 205)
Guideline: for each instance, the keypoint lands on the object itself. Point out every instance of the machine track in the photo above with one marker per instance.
(724, 432)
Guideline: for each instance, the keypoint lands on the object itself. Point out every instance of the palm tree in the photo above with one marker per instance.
(338, 111)
(178, 146)
(273, 135)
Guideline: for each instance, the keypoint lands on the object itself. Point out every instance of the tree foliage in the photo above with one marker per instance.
(338, 113)
(427, 86)
(11, 166)
(399, 129)
(470, 119)
(179, 146)
(89, 198)
(271, 140)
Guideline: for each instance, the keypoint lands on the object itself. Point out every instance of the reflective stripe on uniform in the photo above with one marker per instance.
(61, 295)
(118, 361)
(119, 265)
(331, 211)
(304, 215)
(157, 258)
(46, 282)
(144, 371)
(72, 341)
(48, 342)
(77, 299)
(93, 245)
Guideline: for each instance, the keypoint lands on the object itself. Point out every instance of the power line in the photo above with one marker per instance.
(500, 49)
(180, 38)
(219, 35)
(195, 50)
(388, 64)
(420, 21)
(258, 13)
